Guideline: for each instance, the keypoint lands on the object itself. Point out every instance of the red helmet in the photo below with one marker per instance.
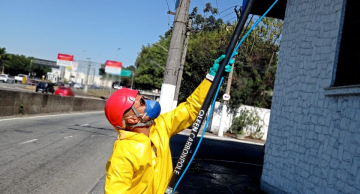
(117, 104)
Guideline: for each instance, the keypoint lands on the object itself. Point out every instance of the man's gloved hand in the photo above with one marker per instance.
(216, 65)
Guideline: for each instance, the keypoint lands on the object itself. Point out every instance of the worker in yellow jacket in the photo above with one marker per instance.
(141, 159)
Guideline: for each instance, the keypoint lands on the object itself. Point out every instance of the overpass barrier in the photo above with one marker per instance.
(15, 103)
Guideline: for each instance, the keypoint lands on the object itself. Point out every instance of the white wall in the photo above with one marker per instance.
(313, 143)
(214, 122)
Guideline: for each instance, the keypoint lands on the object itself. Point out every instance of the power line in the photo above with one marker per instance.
(217, 7)
(126, 58)
(226, 15)
(167, 5)
(226, 9)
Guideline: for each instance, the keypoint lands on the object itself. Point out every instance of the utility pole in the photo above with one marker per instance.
(82, 59)
(181, 69)
(132, 78)
(93, 78)
(226, 102)
(87, 75)
(174, 56)
(226, 96)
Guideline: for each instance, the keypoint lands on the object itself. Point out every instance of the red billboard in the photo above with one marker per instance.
(113, 67)
(113, 64)
(65, 57)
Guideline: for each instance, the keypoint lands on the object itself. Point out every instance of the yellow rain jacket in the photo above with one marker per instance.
(141, 164)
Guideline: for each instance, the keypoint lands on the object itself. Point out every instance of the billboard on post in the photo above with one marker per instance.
(113, 67)
(47, 63)
(64, 60)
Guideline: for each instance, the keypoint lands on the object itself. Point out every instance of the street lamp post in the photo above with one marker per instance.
(82, 58)
(117, 53)
(87, 74)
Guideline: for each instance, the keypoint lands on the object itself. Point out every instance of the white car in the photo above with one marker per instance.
(78, 86)
(19, 78)
(6, 78)
(117, 87)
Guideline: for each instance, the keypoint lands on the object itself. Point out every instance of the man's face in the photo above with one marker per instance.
(140, 104)
(140, 108)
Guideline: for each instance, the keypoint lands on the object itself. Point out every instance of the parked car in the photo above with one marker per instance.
(64, 91)
(78, 86)
(32, 82)
(71, 83)
(19, 78)
(95, 86)
(117, 87)
(45, 87)
(6, 78)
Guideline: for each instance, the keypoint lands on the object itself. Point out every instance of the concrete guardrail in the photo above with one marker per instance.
(15, 103)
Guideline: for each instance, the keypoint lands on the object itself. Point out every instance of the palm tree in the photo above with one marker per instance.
(4, 59)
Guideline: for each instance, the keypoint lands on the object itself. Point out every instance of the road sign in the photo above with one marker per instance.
(226, 97)
(113, 67)
(126, 73)
(64, 60)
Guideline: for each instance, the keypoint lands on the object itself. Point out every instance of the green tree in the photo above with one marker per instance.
(150, 65)
(255, 69)
(205, 22)
(20, 64)
(255, 66)
(4, 60)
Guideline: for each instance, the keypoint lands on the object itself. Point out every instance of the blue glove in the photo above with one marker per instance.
(216, 65)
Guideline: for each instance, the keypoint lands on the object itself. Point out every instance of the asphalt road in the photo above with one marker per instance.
(67, 154)
(13, 87)
(54, 154)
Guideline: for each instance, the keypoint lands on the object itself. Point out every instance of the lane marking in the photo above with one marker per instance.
(28, 141)
(68, 137)
(15, 88)
(96, 135)
(83, 125)
(50, 115)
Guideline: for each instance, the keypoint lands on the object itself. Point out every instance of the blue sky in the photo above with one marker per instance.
(44, 28)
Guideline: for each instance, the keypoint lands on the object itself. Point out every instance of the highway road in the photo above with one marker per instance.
(67, 153)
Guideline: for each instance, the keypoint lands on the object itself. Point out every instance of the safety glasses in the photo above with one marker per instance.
(143, 100)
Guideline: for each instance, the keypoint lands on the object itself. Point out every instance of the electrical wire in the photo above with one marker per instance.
(217, 7)
(168, 14)
(226, 15)
(226, 9)
(232, 55)
(168, 5)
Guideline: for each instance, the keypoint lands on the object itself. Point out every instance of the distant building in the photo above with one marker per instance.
(70, 75)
